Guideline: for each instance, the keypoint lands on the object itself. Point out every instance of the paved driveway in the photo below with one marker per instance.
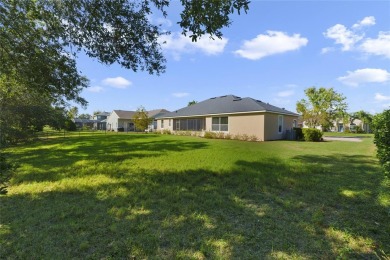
(341, 138)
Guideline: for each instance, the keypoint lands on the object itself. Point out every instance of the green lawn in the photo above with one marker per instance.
(121, 196)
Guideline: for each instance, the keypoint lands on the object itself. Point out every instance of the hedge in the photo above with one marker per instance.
(381, 125)
(312, 135)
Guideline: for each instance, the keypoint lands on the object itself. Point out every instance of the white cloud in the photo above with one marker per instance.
(360, 76)
(327, 49)
(367, 21)
(354, 39)
(286, 93)
(95, 89)
(380, 97)
(164, 22)
(343, 36)
(273, 42)
(378, 46)
(117, 82)
(386, 105)
(178, 44)
(180, 94)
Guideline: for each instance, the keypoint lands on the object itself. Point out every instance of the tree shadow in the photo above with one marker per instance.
(113, 150)
(258, 209)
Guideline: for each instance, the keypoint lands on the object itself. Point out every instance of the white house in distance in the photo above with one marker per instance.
(233, 115)
(122, 120)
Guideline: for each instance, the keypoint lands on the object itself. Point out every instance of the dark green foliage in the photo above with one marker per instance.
(381, 124)
(6, 169)
(40, 40)
(298, 133)
(312, 134)
(70, 125)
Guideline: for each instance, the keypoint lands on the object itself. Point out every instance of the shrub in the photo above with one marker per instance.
(244, 137)
(298, 133)
(209, 135)
(312, 135)
(253, 138)
(220, 135)
(165, 132)
(236, 137)
(121, 129)
(228, 136)
(381, 126)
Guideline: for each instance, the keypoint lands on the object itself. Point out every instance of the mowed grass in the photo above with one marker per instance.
(146, 196)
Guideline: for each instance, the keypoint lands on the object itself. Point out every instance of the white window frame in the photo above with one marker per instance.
(280, 124)
(219, 124)
(162, 123)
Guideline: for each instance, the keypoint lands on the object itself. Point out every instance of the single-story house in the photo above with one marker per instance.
(87, 123)
(123, 120)
(351, 126)
(233, 115)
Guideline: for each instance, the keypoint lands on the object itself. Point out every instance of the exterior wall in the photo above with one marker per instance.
(271, 131)
(264, 126)
(166, 124)
(112, 122)
(247, 124)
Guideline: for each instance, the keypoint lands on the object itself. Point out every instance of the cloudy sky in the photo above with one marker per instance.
(273, 53)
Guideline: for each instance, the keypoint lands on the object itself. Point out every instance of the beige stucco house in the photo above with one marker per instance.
(233, 115)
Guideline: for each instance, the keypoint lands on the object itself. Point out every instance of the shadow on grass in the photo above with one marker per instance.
(256, 210)
(48, 163)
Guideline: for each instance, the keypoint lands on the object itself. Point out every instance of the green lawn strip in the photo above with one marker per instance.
(163, 197)
(342, 134)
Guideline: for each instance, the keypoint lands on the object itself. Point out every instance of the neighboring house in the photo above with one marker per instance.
(233, 115)
(84, 123)
(123, 120)
(101, 121)
(353, 126)
(154, 114)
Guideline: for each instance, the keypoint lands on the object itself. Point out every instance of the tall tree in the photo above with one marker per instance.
(322, 107)
(24, 112)
(193, 102)
(141, 119)
(84, 116)
(40, 39)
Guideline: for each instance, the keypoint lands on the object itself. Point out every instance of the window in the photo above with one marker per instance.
(169, 122)
(190, 124)
(220, 124)
(162, 123)
(294, 123)
(280, 124)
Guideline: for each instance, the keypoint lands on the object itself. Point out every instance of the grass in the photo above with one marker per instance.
(120, 196)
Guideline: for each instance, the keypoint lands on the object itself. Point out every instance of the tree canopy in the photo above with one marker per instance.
(141, 119)
(322, 107)
(40, 39)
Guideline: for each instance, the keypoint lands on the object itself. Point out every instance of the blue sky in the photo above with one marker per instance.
(273, 53)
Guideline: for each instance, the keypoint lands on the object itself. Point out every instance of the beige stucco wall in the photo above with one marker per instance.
(264, 126)
(247, 124)
(271, 122)
(166, 124)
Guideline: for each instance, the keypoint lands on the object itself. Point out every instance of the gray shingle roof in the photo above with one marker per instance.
(228, 104)
(123, 114)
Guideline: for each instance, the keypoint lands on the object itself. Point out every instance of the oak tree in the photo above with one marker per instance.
(322, 107)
